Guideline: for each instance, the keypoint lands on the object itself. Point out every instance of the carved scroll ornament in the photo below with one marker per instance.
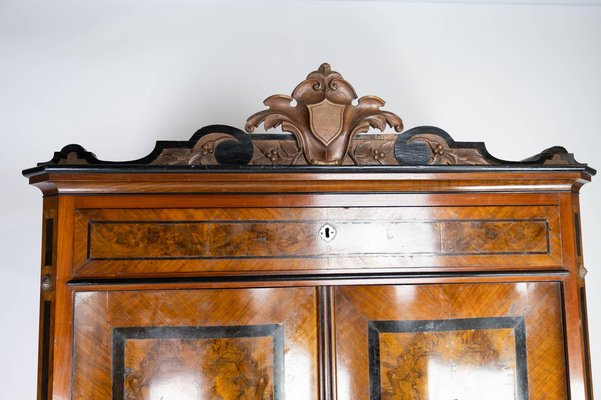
(324, 120)
(325, 128)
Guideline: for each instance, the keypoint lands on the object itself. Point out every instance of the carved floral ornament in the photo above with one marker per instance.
(325, 128)
(324, 120)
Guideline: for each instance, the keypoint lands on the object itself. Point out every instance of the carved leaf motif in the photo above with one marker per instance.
(469, 157)
(324, 139)
(290, 148)
(443, 154)
(374, 153)
(203, 152)
(362, 154)
(275, 120)
(276, 152)
(173, 157)
(561, 159)
(210, 145)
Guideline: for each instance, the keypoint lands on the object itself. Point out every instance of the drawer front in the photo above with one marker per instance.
(134, 242)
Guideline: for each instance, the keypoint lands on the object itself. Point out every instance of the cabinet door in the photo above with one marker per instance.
(454, 341)
(195, 344)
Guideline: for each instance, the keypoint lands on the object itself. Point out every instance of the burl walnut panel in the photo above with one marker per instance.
(463, 341)
(174, 241)
(425, 359)
(175, 344)
(198, 362)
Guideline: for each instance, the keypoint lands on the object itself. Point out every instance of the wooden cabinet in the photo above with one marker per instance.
(322, 264)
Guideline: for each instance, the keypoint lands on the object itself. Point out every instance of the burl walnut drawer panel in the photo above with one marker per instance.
(137, 242)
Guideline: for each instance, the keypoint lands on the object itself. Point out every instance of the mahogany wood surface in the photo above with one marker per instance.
(474, 286)
(133, 257)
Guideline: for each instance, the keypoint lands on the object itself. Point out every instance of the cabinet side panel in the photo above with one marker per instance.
(47, 298)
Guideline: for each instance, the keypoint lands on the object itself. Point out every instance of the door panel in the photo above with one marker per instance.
(453, 341)
(192, 344)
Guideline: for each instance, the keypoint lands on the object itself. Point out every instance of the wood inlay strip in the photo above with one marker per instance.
(578, 238)
(45, 372)
(587, 354)
(327, 368)
(49, 241)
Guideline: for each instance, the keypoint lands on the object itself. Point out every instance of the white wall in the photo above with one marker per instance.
(115, 76)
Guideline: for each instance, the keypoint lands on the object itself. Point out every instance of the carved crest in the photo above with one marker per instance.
(324, 120)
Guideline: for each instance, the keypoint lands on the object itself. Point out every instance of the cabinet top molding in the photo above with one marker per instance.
(327, 127)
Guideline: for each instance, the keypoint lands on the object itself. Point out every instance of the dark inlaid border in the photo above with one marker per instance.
(374, 328)
(121, 335)
(585, 338)
(578, 234)
(91, 223)
(48, 241)
(45, 367)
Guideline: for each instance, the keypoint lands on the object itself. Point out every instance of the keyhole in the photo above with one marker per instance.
(327, 232)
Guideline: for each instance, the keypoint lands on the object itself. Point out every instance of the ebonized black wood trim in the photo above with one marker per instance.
(275, 169)
(578, 234)
(121, 335)
(238, 152)
(586, 343)
(342, 277)
(49, 242)
(45, 361)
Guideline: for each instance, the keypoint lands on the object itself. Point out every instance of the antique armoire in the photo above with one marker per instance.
(321, 263)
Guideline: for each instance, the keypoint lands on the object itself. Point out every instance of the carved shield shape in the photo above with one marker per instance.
(325, 120)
